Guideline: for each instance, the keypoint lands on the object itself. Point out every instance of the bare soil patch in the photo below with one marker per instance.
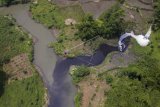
(93, 91)
(19, 67)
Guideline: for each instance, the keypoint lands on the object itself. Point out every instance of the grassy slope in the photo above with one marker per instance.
(51, 15)
(11, 40)
(25, 93)
(28, 92)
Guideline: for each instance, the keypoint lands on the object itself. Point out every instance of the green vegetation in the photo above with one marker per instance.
(114, 24)
(152, 49)
(3, 78)
(13, 41)
(157, 15)
(140, 84)
(10, 2)
(140, 81)
(51, 15)
(5, 2)
(28, 92)
(109, 79)
(79, 73)
(58, 48)
(111, 24)
(24, 93)
(88, 28)
(78, 99)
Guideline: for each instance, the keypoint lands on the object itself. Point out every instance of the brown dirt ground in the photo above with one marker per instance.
(19, 67)
(93, 91)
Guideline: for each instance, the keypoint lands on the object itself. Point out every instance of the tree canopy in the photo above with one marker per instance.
(110, 24)
(157, 16)
(113, 22)
(141, 85)
(88, 28)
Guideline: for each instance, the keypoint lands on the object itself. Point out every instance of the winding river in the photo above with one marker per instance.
(53, 69)
(62, 86)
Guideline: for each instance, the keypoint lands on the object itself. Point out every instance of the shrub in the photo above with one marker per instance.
(78, 99)
(156, 25)
(58, 47)
(109, 79)
(79, 73)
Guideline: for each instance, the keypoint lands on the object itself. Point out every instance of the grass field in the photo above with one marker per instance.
(26, 92)
(13, 40)
(51, 15)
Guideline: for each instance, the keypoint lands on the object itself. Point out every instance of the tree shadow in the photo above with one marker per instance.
(3, 78)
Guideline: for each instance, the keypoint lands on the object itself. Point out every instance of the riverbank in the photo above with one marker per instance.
(18, 75)
(44, 57)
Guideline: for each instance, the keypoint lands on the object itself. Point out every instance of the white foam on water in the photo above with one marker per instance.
(142, 40)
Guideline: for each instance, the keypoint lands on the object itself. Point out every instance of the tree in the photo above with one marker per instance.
(157, 15)
(137, 86)
(79, 73)
(114, 24)
(111, 24)
(3, 78)
(88, 28)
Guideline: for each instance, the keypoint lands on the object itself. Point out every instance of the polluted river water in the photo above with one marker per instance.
(54, 70)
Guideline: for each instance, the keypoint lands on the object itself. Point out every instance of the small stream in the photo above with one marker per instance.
(53, 69)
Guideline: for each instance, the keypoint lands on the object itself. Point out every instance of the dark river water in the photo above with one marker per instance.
(54, 70)
(62, 86)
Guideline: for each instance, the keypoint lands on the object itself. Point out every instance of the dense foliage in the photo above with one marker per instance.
(6, 2)
(28, 92)
(24, 93)
(13, 41)
(88, 28)
(3, 78)
(78, 99)
(137, 86)
(111, 24)
(114, 24)
(10, 2)
(157, 15)
(79, 73)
